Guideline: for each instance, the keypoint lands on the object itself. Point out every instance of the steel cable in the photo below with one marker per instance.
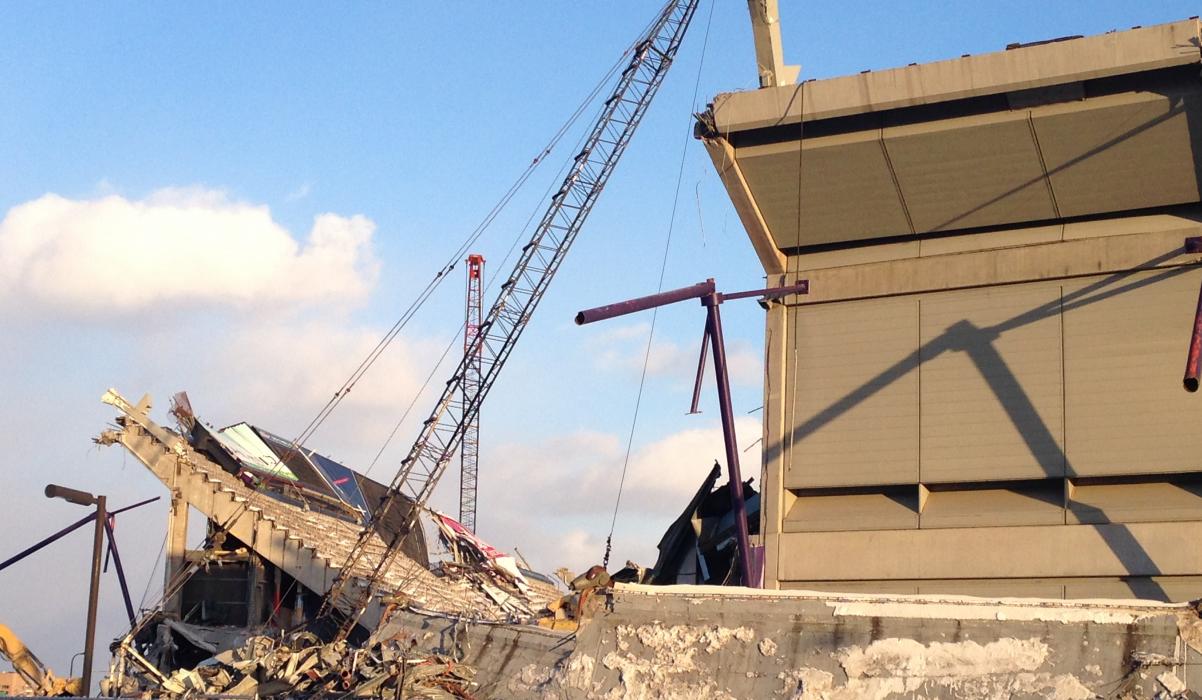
(659, 288)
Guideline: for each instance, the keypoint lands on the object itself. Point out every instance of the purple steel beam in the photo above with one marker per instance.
(705, 346)
(64, 532)
(1192, 360)
(711, 300)
(630, 306)
(802, 287)
(129, 606)
(48, 541)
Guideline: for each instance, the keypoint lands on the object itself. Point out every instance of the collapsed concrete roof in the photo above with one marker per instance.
(307, 544)
(1037, 133)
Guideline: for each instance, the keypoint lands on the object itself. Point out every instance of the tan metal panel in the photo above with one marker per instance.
(858, 255)
(890, 587)
(1008, 238)
(993, 507)
(773, 494)
(992, 390)
(997, 588)
(840, 174)
(973, 171)
(1030, 263)
(1177, 589)
(1118, 152)
(1125, 339)
(853, 511)
(854, 381)
(1183, 220)
(1038, 551)
(1136, 502)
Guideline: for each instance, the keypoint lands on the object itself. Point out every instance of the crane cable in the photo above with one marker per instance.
(374, 354)
(443, 272)
(522, 235)
(517, 240)
(684, 151)
(185, 574)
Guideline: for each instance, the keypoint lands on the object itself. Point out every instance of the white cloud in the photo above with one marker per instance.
(624, 349)
(279, 374)
(582, 470)
(560, 512)
(305, 189)
(177, 246)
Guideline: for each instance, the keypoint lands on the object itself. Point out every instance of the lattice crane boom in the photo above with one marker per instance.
(473, 355)
(540, 259)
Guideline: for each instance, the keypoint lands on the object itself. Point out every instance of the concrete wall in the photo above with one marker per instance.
(713, 643)
(981, 391)
(999, 413)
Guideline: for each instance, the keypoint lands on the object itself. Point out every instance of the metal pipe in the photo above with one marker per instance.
(1195, 350)
(630, 306)
(711, 303)
(802, 287)
(705, 346)
(112, 549)
(48, 541)
(139, 504)
(93, 593)
(63, 533)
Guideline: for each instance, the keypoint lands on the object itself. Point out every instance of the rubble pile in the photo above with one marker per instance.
(301, 665)
(493, 572)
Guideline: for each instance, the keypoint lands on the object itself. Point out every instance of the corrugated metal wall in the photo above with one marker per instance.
(1040, 404)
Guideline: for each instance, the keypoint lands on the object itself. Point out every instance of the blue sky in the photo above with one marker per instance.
(406, 122)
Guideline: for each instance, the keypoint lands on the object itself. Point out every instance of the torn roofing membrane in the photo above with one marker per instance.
(268, 455)
(318, 471)
(243, 444)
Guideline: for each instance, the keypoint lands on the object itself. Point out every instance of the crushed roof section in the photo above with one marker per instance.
(284, 533)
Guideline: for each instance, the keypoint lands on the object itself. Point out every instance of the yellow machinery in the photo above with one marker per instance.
(35, 673)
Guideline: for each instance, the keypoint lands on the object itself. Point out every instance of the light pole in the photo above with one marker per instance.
(84, 498)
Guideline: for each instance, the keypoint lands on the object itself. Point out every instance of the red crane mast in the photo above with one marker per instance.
(469, 449)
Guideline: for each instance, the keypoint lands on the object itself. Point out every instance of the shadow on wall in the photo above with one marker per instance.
(977, 343)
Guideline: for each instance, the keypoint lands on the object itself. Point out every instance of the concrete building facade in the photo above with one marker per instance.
(981, 392)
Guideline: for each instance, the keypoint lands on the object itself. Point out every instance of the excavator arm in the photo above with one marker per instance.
(35, 673)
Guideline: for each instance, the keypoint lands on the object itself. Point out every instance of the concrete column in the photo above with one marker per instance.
(177, 542)
(256, 581)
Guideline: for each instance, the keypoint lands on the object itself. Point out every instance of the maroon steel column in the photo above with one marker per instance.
(711, 302)
(1195, 349)
(1194, 245)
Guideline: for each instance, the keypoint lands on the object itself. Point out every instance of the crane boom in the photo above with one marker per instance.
(469, 450)
(443, 431)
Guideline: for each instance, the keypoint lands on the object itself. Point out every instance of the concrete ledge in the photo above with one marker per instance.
(1116, 53)
(1022, 263)
(1116, 549)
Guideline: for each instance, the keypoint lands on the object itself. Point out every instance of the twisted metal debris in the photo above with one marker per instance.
(300, 665)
